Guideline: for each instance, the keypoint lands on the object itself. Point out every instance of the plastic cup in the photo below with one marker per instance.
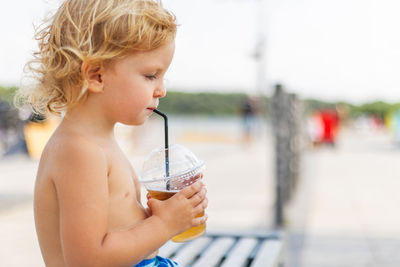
(184, 169)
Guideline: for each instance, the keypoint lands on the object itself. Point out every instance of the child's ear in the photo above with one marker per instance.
(93, 75)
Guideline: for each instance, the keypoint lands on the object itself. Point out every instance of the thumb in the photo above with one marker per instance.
(151, 202)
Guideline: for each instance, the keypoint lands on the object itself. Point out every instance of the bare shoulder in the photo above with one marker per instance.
(68, 152)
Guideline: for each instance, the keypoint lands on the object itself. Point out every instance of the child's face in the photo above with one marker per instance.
(133, 85)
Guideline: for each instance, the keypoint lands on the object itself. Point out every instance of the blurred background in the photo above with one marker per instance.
(293, 105)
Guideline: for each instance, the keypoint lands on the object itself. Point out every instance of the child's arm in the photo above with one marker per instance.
(81, 182)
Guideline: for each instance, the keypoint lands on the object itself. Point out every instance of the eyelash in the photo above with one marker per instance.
(151, 77)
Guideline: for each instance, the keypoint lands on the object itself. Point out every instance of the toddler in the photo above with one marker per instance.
(101, 62)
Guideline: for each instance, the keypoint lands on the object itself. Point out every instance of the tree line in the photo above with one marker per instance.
(229, 104)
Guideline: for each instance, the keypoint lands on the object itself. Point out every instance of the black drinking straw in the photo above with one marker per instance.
(166, 144)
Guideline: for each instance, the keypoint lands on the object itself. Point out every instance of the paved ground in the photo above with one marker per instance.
(345, 212)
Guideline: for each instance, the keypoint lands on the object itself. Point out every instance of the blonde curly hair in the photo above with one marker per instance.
(91, 31)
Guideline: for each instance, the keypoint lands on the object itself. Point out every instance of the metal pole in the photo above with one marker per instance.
(261, 26)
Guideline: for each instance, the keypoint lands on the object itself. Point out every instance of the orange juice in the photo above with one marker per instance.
(189, 234)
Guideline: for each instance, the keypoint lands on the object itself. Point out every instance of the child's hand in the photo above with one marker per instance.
(179, 212)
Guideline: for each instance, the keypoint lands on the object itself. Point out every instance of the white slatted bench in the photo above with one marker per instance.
(227, 249)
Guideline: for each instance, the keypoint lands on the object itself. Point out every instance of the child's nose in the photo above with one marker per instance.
(160, 91)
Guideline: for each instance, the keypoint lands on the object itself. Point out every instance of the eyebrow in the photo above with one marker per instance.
(156, 67)
(157, 64)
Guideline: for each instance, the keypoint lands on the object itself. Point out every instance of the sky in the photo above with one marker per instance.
(328, 49)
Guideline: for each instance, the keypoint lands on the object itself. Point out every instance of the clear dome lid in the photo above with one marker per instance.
(170, 169)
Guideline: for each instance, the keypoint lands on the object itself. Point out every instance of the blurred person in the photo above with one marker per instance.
(4, 107)
(330, 123)
(12, 139)
(248, 111)
(323, 127)
(395, 127)
(99, 63)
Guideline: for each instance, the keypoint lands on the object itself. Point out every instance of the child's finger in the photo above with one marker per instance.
(201, 207)
(151, 202)
(199, 197)
(199, 220)
(191, 190)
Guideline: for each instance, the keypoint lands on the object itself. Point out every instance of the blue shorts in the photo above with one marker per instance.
(157, 262)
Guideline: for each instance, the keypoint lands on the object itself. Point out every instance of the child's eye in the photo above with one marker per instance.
(151, 77)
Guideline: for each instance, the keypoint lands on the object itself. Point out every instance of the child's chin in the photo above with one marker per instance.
(139, 121)
(136, 122)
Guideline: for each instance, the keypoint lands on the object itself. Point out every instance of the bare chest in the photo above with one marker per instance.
(125, 208)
